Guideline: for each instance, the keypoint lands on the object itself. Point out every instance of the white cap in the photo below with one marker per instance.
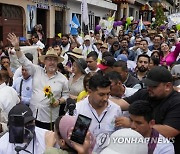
(119, 146)
(91, 31)
(87, 37)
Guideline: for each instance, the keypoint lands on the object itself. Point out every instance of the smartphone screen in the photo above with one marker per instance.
(80, 129)
(22, 39)
(16, 129)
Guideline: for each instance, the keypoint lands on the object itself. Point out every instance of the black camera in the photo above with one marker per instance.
(70, 106)
(16, 129)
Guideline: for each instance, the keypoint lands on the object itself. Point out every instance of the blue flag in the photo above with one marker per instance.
(140, 26)
(74, 25)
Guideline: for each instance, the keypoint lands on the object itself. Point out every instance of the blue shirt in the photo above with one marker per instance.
(26, 92)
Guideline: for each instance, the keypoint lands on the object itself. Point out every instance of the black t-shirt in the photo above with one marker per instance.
(166, 111)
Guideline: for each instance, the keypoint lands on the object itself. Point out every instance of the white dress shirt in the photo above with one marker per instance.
(87, 70)
(139, 52)
(39, 44)
(8, 99)
(88, 49)
(108, 116)
(39, 103)
(17, 73)
(65, 49)
(104, 123)
(26, 91)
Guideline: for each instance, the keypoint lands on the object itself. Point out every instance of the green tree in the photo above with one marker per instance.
(160, 17)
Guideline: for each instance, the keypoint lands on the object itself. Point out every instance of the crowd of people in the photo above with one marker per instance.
(127, 82)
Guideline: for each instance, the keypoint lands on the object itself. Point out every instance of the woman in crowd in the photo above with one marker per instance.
(115, 47)
(156, 53)
(76, 79)
(154, 61)
(166, 56)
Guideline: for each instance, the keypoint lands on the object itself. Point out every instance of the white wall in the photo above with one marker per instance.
(136, 8)
(75, 7)
(100, 3)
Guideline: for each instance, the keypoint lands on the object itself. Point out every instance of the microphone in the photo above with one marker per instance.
(29, 138)
(70, 105)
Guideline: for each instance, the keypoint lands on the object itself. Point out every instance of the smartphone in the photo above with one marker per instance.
(22, 39)
(80, 129)
(16, 129)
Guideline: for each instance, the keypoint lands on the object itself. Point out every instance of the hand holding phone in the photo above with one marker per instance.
(86, 145)
(80, 129)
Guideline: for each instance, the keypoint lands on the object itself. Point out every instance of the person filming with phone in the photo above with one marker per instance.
(23, 137)
(61, 137)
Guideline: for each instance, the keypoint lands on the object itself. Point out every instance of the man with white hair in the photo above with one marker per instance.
(44, 111)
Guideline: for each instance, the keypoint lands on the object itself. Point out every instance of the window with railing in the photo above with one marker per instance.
(91, 21)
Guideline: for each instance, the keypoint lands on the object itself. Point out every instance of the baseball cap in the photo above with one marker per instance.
(106, 62)
(87, 37)
(157, 75)
(121, 147)
(65, 125)
(172, 31)
(122, 57)
(24, 110)
(91, 31)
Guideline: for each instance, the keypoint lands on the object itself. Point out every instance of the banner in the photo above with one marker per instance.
(84, 12)
(31, 17)
(173, 19)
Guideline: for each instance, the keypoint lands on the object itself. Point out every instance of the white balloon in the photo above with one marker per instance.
(131, 18)
(153, 19)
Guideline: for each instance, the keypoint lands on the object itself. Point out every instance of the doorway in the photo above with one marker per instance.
(1, 33)
(42, 18)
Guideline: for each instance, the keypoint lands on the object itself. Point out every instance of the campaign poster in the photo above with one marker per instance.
(31, 17)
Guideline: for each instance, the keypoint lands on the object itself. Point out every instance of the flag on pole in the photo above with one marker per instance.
(110, 23)
(84, 12)
(140, 26)
(74, 25)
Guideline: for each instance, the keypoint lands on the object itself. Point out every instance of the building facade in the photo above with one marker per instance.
(176, 6)
(55, 16)
(144, 8)
(97, 9)
(21, 16)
